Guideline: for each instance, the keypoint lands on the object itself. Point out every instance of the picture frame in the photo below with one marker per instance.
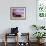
(17, 13)
(41, 8)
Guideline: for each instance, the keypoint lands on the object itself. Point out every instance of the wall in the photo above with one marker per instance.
(24, 25)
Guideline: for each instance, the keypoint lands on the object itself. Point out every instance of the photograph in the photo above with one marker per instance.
(17, 13)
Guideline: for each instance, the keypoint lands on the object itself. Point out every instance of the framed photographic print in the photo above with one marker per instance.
(18, 13)
(41, 8)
